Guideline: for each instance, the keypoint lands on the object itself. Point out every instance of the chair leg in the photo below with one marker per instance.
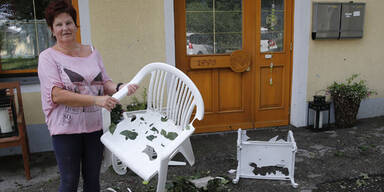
(187, 151)
(25, 150)
(162, 175)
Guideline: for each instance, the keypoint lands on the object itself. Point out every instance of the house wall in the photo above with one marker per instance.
(336, 60)
(128, 34)
(33, 112)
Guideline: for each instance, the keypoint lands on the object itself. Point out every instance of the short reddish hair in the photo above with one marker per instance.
(55, 8)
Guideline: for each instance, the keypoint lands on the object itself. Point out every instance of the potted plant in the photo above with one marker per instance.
(346, 97)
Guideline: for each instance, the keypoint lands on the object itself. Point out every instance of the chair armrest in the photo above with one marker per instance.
(124, 90)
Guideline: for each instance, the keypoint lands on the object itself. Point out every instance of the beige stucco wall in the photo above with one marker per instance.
(128, 34)
(335, 60)
(33, 112)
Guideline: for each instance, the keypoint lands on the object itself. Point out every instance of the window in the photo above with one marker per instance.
(213, 26)
(272, 26)
(23, 35)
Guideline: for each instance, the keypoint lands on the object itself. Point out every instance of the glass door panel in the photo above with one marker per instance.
(272, 26)
(213, 26)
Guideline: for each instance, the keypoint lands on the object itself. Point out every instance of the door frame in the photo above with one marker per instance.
(299, 62)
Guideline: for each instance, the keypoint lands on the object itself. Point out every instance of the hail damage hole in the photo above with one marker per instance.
(164, 119)
(129, 134)
(268, 170)
(151, 137)
(169, 135)
(150, 151)
(155, 130)
(133, 118)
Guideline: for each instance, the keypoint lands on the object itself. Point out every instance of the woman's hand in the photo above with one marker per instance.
(131, 88)
(106, 101)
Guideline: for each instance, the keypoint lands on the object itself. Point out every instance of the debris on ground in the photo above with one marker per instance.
(204, 184)
(362, 183)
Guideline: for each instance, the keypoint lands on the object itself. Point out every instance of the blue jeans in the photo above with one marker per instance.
(73, 150)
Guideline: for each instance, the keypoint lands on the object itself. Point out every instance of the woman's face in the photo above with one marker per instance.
(64, 28)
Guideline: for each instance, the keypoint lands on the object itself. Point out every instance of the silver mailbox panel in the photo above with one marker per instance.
(352, 20)
(326, 20)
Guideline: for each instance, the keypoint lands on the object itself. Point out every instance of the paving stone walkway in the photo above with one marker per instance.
(323, 158)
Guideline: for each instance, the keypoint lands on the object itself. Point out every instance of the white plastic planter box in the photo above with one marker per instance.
(266, 159)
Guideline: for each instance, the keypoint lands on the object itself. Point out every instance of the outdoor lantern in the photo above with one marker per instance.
(319, 105)
(8, 119)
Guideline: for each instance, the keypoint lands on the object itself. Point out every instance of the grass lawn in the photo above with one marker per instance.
(18, 63)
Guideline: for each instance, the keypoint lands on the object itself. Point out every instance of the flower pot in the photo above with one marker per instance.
(345, 110)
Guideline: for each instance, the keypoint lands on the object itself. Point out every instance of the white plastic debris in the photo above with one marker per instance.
(266, 159)
(232, 171)
(273, 139)
(110, 189)
(201, 182)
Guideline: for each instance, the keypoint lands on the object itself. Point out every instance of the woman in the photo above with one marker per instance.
(74, 87)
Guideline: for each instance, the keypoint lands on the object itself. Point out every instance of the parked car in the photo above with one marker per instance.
(197, 44)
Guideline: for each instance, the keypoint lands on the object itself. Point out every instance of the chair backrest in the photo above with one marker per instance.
(170, 92)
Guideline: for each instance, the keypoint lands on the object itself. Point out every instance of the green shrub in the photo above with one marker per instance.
(351, 89)
(346, 97)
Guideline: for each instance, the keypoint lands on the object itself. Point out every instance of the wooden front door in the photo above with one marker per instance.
(238, 53)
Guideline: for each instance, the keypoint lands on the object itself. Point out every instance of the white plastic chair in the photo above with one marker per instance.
(145, 141)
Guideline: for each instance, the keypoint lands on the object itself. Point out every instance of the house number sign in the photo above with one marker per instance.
(238, 61)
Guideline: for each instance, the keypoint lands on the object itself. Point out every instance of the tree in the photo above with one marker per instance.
(23, 9)
(17, 14)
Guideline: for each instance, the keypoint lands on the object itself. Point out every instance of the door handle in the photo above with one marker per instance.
(271, 79)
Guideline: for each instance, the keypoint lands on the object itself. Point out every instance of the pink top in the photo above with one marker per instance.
(83, 75)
